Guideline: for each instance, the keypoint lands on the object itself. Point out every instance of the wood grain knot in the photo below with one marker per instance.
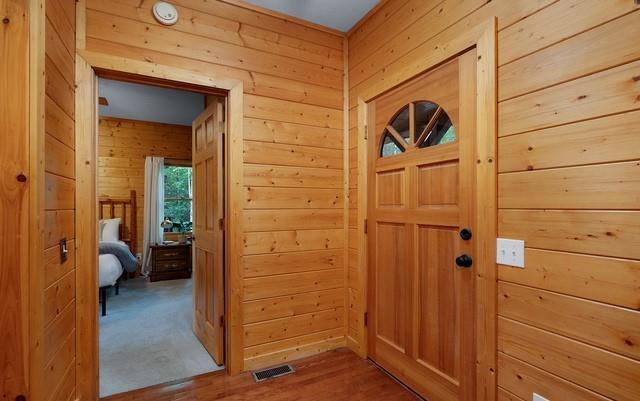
(21, 178)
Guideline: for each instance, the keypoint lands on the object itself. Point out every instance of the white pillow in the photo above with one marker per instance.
(100, 228)
(110, 229)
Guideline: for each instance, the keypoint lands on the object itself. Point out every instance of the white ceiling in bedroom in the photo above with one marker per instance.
(337, 14)
(149, 103)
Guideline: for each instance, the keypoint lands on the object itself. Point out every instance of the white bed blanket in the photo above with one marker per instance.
(110, 269)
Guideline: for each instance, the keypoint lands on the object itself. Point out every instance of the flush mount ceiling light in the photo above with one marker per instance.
(165, 13)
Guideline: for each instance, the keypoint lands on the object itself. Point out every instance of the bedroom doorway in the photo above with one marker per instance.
(161, 185)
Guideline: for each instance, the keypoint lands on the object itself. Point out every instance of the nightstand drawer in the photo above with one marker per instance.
(169, 265)
(171, 253)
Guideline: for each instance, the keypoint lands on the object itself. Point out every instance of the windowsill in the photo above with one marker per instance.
(176, 236)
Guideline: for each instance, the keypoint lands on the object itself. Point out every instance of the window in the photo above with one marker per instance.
(178, 197)
(436, 126)
(390, 145)
(431, 126)
(401, 124)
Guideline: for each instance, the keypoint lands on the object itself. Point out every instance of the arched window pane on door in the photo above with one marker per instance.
(401, 124)
(390, 146)
(441, 132)
(419, 125)
(424, 113)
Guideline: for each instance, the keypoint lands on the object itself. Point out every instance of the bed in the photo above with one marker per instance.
(117, 243)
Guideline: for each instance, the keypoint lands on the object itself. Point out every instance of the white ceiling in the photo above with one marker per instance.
(149, 103)
(337, 14)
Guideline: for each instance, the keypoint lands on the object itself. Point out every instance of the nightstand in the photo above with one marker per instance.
(170, 261)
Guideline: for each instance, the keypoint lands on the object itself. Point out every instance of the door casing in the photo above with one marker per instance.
(115, 68)
(482, 37)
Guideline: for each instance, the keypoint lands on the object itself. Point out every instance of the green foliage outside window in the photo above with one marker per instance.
(178, 197)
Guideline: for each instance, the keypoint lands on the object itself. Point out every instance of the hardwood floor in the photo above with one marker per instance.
(334, 375)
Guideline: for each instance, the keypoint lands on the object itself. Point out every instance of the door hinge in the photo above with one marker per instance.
(366, 225)
(221, 224)
(366, 320)
(221, 321)
(366, 131)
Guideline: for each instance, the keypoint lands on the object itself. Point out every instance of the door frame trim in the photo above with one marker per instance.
(87, 317)
(483, 38)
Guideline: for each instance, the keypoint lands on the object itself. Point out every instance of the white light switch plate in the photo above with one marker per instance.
(537, 397)
(510, 252)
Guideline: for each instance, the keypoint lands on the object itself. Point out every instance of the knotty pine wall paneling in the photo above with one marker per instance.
(122, 147)
(15, 180)
(58, 289)
(293, 261)
(568, 182)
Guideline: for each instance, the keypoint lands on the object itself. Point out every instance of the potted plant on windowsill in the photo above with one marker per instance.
(183, 237)
(178, 233)
(185, 232)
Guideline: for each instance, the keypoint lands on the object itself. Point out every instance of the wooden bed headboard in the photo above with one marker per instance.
(125, 209)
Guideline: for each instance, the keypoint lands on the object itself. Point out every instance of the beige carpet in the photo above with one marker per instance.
(146, 337)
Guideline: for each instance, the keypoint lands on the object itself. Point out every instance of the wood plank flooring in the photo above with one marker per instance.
(334, 375)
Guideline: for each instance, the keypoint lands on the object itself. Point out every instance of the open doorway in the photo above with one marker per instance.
(161, 194)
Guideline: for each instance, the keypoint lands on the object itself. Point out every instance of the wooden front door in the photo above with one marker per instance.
(420, 199)
(208, 227)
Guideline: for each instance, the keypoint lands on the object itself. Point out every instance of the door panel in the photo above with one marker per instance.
(208, 247)
(439, 323)
(421, 194)
(438, 184)
(391, 189)
(393, 276)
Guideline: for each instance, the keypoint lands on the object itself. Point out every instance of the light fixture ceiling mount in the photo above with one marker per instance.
(165, 13)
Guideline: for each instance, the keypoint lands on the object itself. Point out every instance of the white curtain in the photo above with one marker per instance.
(153, 207)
